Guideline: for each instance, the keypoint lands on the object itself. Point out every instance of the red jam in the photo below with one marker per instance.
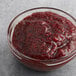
(44, 36)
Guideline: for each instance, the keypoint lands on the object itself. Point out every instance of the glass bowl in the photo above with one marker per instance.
(40, 65)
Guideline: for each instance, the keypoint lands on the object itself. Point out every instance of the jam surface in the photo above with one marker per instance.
(44, 36)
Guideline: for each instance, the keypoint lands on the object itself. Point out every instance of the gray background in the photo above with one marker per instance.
(9, 66)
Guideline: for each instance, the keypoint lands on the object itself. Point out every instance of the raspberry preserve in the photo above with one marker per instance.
(43, 38)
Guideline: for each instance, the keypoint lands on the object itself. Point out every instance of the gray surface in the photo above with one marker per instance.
(9, 66)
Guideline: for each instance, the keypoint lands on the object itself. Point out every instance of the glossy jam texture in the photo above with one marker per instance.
(44, 36)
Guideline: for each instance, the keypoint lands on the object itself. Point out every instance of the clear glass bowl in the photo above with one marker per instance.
(40, 65)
